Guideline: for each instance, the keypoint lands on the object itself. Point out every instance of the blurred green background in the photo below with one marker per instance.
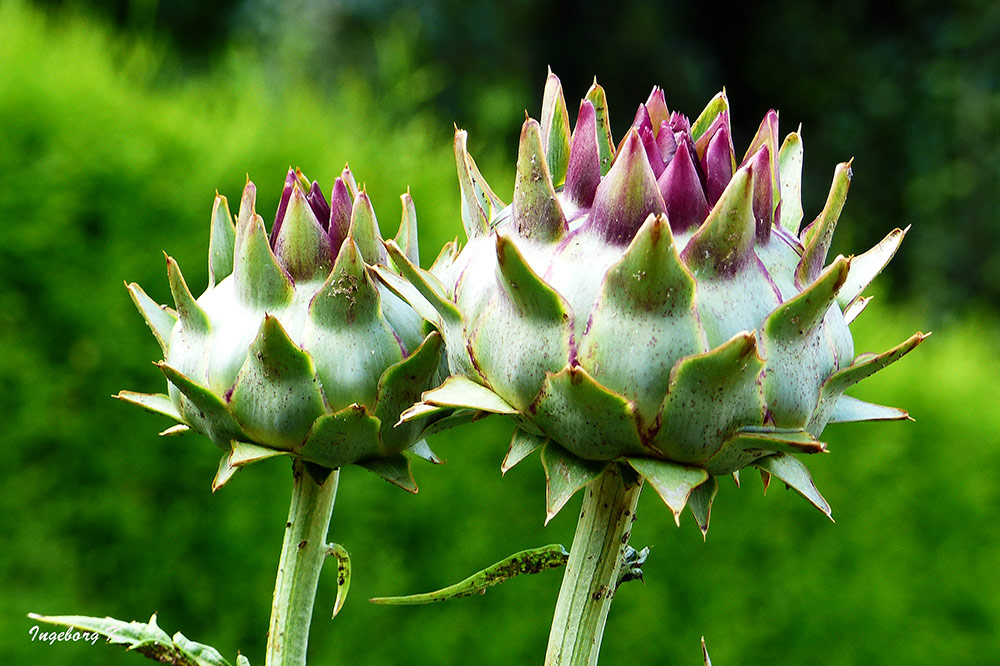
(118, 121)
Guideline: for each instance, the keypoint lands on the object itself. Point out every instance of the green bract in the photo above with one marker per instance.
(294, 349)
(654, 304)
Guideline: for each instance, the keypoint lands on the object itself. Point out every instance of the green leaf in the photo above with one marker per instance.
(406, 236)
(723, 244)
(208, 413)
(343, 574)
(531, 561)
(627, 195)
(796, 476)
(145, 638)
(222, 242)
(672, 482)
(159, 318)
(565, 474)
(475, 218)
(461, 392)
(715, 106)
(259, 280)
(365, 232)
(303, 247)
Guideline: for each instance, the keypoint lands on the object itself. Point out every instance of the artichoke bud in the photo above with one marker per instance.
(653, 302)
(295, 348)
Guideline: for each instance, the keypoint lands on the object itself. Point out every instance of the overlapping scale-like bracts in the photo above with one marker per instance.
(653, 302)
(294, 349)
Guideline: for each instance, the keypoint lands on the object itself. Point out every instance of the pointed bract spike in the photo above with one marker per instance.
(259, 280)
(605, 144)
(851, 410)
(767, 135)
(475, 219)
(365, 232)
(537, 213)
(341, 207)
(656, 107)
(221, 242)
(719, 124)
(718, 164)
(797, 317)
(522, 445)
(348, 178)
(555, 130)
(795, 475)
(291, 182)
(819, 235)
(399, 387)
(682, 192)
(245, 453)
(425, 284)
(529, 293)
(700, 502)
(192, 317)
(585, 417)
(248, 202)
(627, 195)
(157, 403)
(856, 307)
(724, 242)
(771, 440)
(210, 415)
(583, 174)
(396, 470)
(302, 246)
(160, 320)
(178, 429)
(863, 367)
(765, 479)
(406, 237)
(865, 267)
(276, 396)
(565, 474)
(715, 106)
(763, 193)
(790, 170)
(422, 449)
(224, 473)
(319, 205)
(642, 121)
(672, 482)
(460, 392)
(704, 653)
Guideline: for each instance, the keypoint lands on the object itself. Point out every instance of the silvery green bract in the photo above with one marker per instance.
(294, 349)
(654, 303)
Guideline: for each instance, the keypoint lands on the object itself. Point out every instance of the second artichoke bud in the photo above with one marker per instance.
(294, 349)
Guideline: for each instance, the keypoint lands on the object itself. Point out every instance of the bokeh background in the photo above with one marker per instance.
(119, 120)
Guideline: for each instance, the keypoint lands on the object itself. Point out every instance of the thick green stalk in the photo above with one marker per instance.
(595, 562)
(302, 555)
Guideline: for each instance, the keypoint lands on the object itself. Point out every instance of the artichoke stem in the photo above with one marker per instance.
(592, 573)
(302, 555)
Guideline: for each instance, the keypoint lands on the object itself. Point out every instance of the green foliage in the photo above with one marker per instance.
(104, 161)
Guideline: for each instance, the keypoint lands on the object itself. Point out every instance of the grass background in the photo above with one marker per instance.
(111, 148)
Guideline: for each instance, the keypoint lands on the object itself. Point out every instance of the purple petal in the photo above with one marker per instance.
(627, 195)
(680, 186)
(656, 107)
(652, 151)
(763, 193)
(642, 120)
(340, 213)
(718, 164)
(290, 180)
(584, 172)
(665, 141)
(319, 205)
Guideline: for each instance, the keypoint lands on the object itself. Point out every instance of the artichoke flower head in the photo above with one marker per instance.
(294, 349)
(653, 303)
